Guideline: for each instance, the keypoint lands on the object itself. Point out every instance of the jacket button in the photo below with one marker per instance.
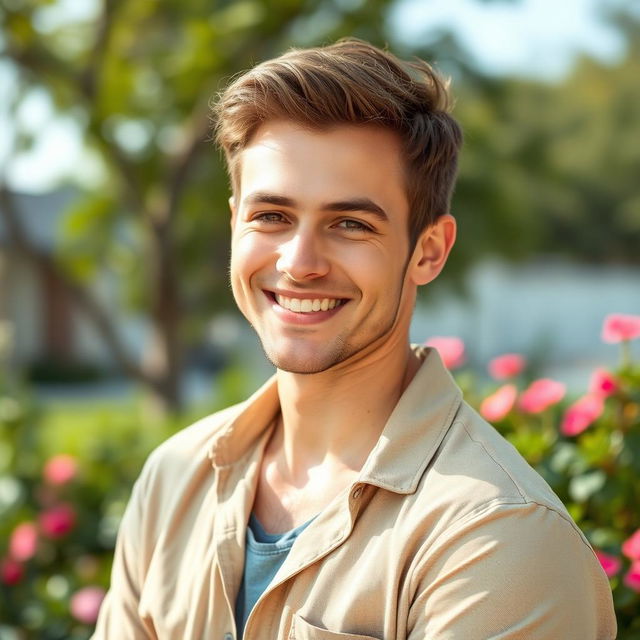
(356, 493)
(228, 636)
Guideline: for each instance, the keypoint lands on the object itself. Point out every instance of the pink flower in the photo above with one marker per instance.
(85, 604)
(631, 546)
(11, 571)
(60, 469)
(24, 541)
(541, 394)
(632, 577)
(57, 521)
(451, 350)
(581, 414)
(610, 564)
(506, 366)
(619, 326)
(603, 383)
(496, 406)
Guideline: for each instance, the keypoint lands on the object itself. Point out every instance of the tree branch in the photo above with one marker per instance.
(183, 163)
(88, 84)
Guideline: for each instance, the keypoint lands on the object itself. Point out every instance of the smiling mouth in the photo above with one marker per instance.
(307, 305)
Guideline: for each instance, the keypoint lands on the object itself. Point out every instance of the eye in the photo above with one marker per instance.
(269, 217)
(353, 225)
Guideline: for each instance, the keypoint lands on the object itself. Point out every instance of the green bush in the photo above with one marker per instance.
(59, 512)
(65, 477)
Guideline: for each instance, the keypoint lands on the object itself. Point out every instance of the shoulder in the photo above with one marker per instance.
(504, 543)
(476, 472)
(522, 570)
(197, 435)
(184, 453)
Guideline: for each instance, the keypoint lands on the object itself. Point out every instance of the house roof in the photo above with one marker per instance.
(41, 215)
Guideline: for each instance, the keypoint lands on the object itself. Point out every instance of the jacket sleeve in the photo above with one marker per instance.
(511, 572)
(119, 617)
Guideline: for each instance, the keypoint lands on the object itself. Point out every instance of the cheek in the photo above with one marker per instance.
(374, 271)
(249, 255)
(246, 254)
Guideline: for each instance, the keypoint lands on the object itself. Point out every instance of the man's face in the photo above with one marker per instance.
(320, 243)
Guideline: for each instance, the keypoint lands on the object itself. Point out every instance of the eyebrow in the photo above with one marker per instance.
(350, 204)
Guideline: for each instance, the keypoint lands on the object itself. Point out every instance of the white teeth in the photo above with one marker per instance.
(307, 305)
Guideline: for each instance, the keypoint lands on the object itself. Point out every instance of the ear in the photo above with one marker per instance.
(432, 250)
(232, 207)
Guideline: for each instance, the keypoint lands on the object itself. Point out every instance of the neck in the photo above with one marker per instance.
(335, 418)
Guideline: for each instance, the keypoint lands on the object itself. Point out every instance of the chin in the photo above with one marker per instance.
(306, 361)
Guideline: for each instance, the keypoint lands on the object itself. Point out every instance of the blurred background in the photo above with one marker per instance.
(117, 326)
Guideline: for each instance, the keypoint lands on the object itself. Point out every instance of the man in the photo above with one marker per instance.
(355, 495)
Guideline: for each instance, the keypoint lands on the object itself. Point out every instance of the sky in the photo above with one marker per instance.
(536, 38)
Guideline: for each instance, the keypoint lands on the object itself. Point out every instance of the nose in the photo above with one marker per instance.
(302, 257)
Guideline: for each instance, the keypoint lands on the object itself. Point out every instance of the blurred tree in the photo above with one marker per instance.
(553, 168)
(137, 79)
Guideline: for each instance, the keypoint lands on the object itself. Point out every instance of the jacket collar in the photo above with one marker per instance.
(415, 428)
(246, 423)
(411, 436)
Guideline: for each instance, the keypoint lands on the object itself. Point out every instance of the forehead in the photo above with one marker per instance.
(310, 164)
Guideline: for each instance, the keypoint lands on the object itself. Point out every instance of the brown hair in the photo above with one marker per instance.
(353, 82)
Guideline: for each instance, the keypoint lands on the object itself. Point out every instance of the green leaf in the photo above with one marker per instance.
(582, 487)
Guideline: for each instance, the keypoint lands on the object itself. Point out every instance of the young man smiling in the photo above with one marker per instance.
(355, 495)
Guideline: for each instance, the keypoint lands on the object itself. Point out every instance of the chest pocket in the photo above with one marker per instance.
(303, 630)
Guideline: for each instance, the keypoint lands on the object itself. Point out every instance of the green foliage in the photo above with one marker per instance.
(36, 597)
(551, 169)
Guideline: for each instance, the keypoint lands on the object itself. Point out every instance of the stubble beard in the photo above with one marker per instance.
(306, 366)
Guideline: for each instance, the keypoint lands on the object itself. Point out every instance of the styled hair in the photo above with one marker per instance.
(353, 82)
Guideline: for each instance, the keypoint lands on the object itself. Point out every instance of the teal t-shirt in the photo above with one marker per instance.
(264, 555)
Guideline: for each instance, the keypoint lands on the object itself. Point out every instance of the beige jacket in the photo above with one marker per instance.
(447, 534)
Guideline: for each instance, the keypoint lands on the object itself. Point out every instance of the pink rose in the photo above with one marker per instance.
(631, 546)
(11, 571)
(57, 521)
(581, 414)
(60, 469)
(632, 577)
(506, 366)
(85, 604)
(610, 564)
(496, 406)
(603, 383)
(619, 326)
(451, 350)
(541, 394)
(24, 541)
